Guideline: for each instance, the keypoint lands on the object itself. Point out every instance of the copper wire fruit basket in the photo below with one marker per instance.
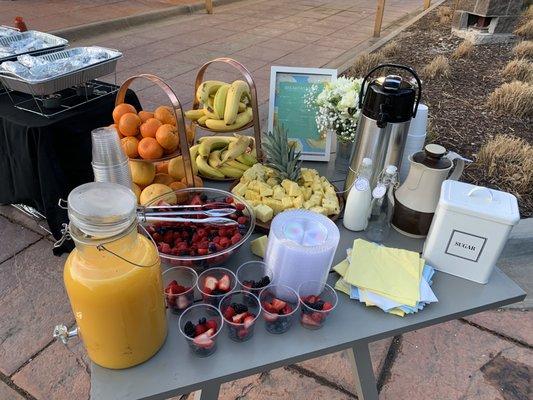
(253, 94)
(183, 147)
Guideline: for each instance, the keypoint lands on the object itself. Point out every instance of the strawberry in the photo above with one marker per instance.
(242, 333)
(229, 313)
(268, 308)
(182, 302)
(236, 238)
(307, 320)
(286, 310)
(196, 201)
(203, 341)
(327, 306)
(237, 319)
(316, 316)
(229, 200)
(165, 248)
(239, 206)
(202, 252)
(311, 299)
(199, 329)
(224, 283)
(278, 304)
(210, 332)
(269, 317)
(242, 220)
(224, 242)
(211, 283)
(249, 321)
(212, 325)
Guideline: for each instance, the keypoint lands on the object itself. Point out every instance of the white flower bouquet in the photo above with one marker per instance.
(337, 106)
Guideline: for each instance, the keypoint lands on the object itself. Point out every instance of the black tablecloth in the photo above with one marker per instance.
(42, 160)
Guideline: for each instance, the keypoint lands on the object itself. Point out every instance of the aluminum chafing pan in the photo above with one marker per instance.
(52, 43)
(73, 78)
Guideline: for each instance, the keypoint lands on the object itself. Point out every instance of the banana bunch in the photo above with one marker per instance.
(225, 106)
(222, 157)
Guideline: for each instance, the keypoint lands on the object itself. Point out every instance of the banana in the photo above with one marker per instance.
(246, 159)
(235, 92)
(214, 159)
(206, 170)
(206, 89)
(219, 103)
(210, 114)
(202, 120)
(213, 143)
(236, 164)
(228, 139)
(242, 107)
(230, 172)
(220, 126)
(193, 115)
(235, 149)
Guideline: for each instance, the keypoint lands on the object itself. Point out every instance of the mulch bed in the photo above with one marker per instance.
(459, 118)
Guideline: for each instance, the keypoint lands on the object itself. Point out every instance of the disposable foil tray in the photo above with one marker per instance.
(52, 43)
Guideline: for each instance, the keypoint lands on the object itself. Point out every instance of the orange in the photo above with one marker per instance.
(197, 181)
(167, 137)
(162, 167)
(150, 127)
(165, 114)
(150, 149)
(129, 146)
(145, 115)
(129, 124)
(122, 109)
(182, 198)
(165, 179)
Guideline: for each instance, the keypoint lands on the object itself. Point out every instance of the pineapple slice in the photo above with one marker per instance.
(252, 195)
(317, 187)
(286, 202)
(316, 199)
(320, 210)
(308, 175)
(272, 181)
(298, 201)
(308, 204)
(254, 185)
(307, 193)
(263, 212)
(331, 205)
(279, 192)
(265, 190)
(291, 188)
(240, 188)
(274, 204)
(259, 245)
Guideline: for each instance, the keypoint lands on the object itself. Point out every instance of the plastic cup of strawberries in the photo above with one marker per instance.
(200, 245)
(214, 283)
(254, 276)
(240, 311)
(317, 302)
(200, 326)
(179, 284)
(279, 304)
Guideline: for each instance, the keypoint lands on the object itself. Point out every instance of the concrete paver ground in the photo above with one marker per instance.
(461, 359)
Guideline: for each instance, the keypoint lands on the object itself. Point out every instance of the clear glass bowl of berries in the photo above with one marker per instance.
(179, 284)
(240, 311)
(197, 244)
(254, 276)
(317, 302)
(215, 283)
(279, 304)
(200, 325)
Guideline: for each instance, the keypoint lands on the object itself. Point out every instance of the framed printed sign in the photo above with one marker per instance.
(290, 105)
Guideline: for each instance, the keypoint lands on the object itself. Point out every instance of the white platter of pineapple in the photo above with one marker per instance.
(282, 184)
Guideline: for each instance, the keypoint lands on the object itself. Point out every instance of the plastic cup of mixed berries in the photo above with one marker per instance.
(195, 243)
(215, 283)
(279, 304)
(200, 325)
(179, 284)
(254, 276)
(316, 303)
(240, 311)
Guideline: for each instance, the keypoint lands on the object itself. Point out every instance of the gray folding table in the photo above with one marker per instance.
(175, 370)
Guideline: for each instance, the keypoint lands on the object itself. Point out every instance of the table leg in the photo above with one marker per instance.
(364, 375)
(208, 393)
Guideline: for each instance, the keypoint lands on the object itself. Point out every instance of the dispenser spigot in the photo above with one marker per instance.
(61, 332)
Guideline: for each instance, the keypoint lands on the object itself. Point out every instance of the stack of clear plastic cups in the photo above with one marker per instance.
(110, 163)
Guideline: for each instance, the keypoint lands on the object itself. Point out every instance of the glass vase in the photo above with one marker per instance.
(343, 154)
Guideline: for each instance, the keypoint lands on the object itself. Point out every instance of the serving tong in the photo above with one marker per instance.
(174, 213)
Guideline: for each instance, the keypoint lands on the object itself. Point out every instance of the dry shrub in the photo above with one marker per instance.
(524, 49)
(525, 30)
(391, 49)
(506, 161)
(528, 12)
(463, 50)
(445, 15)
(438, 67)
(515, 98)
(519, 70)
(365, 62)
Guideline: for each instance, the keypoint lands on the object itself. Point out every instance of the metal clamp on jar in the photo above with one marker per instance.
(386, 113)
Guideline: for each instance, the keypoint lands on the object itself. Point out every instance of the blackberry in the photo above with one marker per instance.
(239, 308)
(265, 281)
(189, 329)
(202, 321)
(319, 305)
(212, 248)
(203, 197)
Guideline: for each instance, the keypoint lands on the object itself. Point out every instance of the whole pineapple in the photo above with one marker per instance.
(282, 155)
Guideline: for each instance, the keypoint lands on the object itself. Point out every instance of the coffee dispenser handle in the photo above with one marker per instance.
(405, 68)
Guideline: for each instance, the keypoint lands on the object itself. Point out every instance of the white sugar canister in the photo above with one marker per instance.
(469, 230)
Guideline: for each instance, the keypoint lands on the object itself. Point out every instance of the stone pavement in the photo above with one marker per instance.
(486, 356)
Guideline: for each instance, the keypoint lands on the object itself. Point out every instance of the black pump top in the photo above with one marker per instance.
(433, 157)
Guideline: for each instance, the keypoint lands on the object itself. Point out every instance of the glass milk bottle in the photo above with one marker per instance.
(378, 228)
(359, 199)
(113, 278)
